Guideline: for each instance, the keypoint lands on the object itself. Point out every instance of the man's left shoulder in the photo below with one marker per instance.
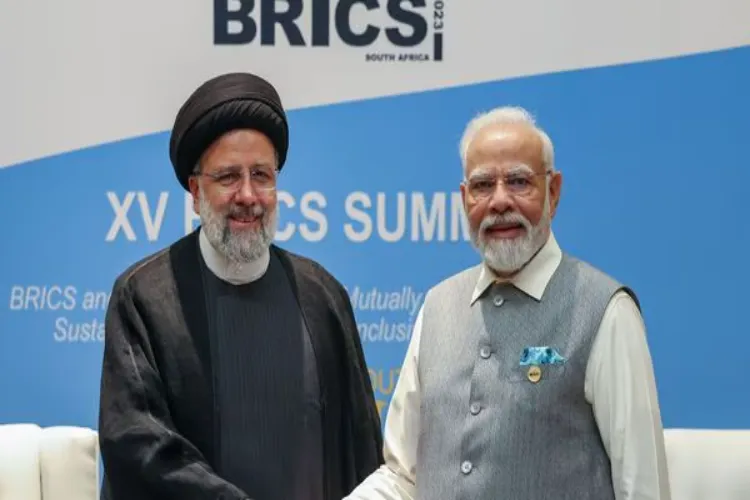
(594, 279)
(309, 268)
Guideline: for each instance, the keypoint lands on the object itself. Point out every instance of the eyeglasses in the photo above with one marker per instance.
(519, 184)
(230, 180)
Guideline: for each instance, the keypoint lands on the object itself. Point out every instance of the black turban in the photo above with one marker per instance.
(225, 103)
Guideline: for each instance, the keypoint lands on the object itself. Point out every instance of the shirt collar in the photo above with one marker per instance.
(532, 279)
(236, 274)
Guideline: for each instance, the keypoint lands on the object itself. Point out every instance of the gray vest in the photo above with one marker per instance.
(492, 428)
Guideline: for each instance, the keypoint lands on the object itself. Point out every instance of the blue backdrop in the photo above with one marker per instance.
(654, 159)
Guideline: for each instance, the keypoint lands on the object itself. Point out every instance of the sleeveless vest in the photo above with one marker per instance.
(495, 423)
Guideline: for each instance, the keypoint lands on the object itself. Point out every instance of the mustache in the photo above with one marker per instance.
(254, 210)
(506, 218)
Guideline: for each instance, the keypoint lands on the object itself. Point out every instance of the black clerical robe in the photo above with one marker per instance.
(158, 414)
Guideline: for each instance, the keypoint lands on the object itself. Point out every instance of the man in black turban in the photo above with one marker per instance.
(233, 369)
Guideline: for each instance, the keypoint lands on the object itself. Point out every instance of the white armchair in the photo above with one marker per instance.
(707, 464)
(62, 463)
(53, 463)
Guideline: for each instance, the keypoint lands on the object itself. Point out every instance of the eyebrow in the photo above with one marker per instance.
(234, 166)
(520, 169)
(481, 172)
(485, 171)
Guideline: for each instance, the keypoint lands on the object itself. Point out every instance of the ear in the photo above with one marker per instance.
(555, 188)
(195, 191)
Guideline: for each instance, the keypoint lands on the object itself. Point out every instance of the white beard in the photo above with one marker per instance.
(509, 255)
(239, 247)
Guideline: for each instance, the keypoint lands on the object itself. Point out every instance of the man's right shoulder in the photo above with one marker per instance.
(464, 280)
(141, 270)
(149, 270)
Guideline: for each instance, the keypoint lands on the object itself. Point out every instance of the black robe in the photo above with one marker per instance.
(158, 418)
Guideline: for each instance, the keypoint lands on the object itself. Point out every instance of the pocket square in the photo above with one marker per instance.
(541, 355)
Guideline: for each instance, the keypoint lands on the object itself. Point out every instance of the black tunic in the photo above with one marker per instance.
(161, 418)
(266, 388)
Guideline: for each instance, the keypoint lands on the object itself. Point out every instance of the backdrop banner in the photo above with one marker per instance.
(646, 101)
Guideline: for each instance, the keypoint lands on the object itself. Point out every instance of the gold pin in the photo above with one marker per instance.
(534, 374)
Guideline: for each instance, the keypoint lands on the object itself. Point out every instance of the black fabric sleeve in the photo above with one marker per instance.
(144, 456)
(369, 452)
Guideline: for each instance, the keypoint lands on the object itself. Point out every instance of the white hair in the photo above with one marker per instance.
(505, 115)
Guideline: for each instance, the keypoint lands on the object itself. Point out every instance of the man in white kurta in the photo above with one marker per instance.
(528, 376)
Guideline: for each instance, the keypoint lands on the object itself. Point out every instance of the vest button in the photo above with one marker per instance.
(498, 301)
(474, 408)
(466, 467)
(484, 352)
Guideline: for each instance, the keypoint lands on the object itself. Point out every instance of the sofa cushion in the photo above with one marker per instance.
(19, 462)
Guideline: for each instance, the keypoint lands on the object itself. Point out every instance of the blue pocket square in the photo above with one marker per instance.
(542, 355)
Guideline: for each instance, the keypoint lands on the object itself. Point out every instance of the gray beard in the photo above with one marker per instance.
(509, 256)
(239, 247)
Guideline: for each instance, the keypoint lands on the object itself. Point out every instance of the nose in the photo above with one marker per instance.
(246, 193)
(500, 201)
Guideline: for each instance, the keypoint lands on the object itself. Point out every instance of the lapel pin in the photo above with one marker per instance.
(534, 374)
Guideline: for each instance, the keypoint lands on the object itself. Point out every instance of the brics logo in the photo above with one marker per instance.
(388, 30)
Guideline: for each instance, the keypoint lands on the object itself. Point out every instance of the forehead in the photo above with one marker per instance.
(499, 145)
(242, 147)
